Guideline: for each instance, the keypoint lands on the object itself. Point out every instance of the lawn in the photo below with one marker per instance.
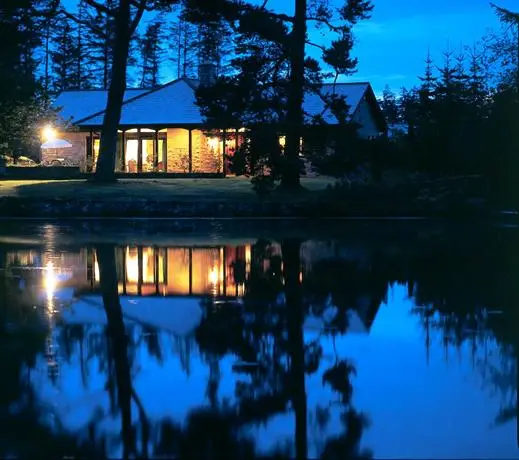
(185, 189)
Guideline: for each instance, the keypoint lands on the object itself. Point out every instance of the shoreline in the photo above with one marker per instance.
(94, 208)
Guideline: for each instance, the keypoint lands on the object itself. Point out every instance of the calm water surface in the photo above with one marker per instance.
(368, 341)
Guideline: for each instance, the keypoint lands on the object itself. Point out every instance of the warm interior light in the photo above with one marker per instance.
(212, 142)
(282, 141)
(48, 133)
(213, 275)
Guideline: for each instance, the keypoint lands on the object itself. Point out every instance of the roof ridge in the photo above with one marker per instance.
(348, 83)
(88, 90)
(131, 99)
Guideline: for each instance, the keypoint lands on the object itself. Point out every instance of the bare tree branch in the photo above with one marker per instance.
(83, 22)
(325, 21)
(137, 18)
(321, 47)
(100, 7)
(280, 16)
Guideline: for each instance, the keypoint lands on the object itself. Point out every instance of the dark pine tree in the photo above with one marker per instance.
(511, 18)
(182, 48)
(64, 55)
(213, 44)
(428, 83)
(390, 106)
(281, 45)
(151, 55)
(100, 46)
(21, 101)
(84, 72)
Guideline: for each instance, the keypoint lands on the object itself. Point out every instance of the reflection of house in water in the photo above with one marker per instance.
(219, 271)
(176, 271)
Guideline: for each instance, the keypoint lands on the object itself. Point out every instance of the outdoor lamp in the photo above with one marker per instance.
(48, 133)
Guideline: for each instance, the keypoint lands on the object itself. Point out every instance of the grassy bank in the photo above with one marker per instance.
(235, 197)
(185, 189)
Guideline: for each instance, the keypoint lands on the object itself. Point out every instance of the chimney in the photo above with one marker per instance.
(207, 73)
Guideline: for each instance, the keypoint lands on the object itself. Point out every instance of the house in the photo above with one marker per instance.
(162, 131)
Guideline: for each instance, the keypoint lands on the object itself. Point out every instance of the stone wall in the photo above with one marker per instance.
(205, 160)
(178, 150)
(71, 156)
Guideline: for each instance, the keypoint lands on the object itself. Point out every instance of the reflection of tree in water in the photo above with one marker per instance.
(266, 334)
(24, 430)
(470, 293)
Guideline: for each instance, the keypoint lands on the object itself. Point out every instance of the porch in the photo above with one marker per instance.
(167, 151)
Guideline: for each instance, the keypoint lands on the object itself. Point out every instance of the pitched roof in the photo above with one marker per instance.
(172, 103)
(77, 105)
(353, 92)
(175, 103)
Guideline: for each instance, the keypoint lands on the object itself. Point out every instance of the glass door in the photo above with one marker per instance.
(132, 149)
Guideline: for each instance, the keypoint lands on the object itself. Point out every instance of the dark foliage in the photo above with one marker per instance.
(271, 74)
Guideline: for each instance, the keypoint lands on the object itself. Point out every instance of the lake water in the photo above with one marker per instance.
(224, 339)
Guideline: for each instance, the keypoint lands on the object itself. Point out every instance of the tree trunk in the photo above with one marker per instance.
(294, 304)
(117, 341)
(290, 174)
(105, 166)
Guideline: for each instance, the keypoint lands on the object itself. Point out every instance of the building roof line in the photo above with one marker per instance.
(131, 99)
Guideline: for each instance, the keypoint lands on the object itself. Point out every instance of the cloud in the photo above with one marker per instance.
(373, 77)
(370, 28)
(426, 27)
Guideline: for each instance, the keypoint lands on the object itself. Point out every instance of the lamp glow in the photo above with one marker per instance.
(48, 133)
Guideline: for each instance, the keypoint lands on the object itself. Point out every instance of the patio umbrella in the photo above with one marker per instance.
(56, 144)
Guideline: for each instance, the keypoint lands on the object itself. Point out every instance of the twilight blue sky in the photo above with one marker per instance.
(392, 45)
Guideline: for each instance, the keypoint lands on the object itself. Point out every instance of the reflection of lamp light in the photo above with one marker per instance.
(48, 133)
(50, 280)
(212, 142)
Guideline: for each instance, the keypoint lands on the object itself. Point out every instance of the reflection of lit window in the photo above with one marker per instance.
(161, 267)
(96, 271)
(213, 275)
(178, 270)
(132, 265)
(148, 261)
(248, 254)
